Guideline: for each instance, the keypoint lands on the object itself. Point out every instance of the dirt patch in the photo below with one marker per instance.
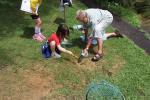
(58, 97)
(86, 63)
(37, 84)
(118, 63)
(110, 68)
(3, 66)
(116, 68)
(30, 84)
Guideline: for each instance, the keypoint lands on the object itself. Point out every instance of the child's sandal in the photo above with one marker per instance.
(97, 57)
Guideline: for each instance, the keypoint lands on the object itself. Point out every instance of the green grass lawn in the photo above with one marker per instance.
(26, 75)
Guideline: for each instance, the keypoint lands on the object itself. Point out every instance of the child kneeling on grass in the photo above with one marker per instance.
(55, 41)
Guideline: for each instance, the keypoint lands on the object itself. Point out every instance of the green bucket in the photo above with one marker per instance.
(103, 91)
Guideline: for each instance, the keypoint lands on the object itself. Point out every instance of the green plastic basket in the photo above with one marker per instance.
(103, 91)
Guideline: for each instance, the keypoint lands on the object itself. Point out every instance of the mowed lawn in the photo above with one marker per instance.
(26, 75)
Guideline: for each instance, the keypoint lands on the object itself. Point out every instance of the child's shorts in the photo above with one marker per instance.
(46, 51)
(33, 16)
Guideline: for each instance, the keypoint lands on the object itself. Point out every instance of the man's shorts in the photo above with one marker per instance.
(99, 29)
(46, 51)
(33, 16)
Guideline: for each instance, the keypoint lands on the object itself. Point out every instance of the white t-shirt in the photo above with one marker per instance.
(95, 16)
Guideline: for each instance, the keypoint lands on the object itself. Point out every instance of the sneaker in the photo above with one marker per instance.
(37, 38)
(55, 55)
(42, 36)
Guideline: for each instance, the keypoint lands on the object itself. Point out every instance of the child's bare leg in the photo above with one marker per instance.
(52, 46)
(38, 24)
(38, 28)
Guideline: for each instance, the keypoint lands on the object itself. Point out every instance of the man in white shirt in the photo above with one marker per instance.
(98, 20)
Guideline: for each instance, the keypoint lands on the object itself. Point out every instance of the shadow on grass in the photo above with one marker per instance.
(5, 59)
(59, 20)
(11, 18)
(28, 32)
(76, 42)
(80, 44)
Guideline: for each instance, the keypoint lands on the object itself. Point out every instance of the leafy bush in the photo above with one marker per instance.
(147, 36)
(127, 14)
(102, 3)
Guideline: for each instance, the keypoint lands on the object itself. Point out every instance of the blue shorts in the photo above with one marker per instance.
(46, 51)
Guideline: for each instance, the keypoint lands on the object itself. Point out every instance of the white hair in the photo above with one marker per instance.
(80, 13)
